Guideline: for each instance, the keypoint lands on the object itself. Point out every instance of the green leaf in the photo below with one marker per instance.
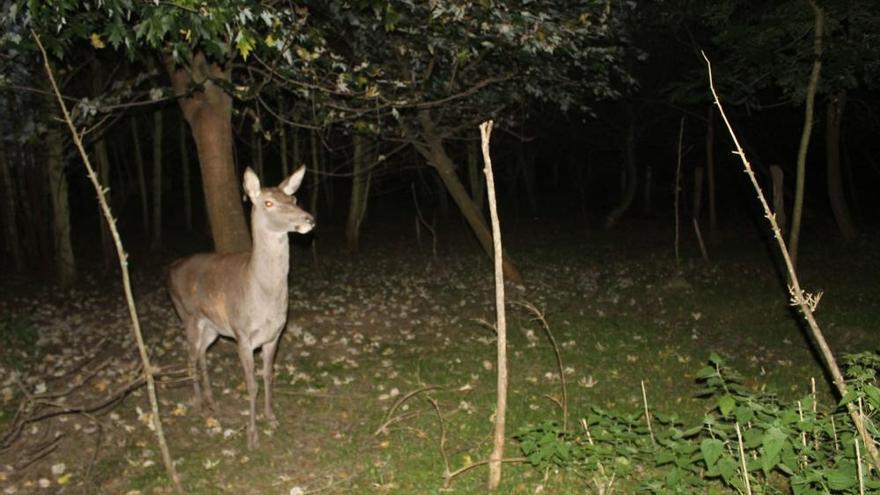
(744, 414)
(711, 449)
(728, 468)
(705, 372)
(850, 396)
(841, 478)
(773, 441)
(726, 404)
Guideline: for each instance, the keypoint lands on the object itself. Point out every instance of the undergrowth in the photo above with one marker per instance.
(786, 446)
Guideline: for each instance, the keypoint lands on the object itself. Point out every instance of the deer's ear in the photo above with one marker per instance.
(251, 184)
(292, 183)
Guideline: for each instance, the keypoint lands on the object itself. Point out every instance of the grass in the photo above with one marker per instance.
(618, 319)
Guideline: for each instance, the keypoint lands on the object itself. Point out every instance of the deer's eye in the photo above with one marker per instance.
(269, 204)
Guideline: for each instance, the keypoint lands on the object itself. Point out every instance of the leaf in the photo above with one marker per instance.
(842, 478)
(744, 414)
(705, 372)
(728, 469)
(244, 44)
(726, 404)
(96, 41)
(850, 396)
(711, 449)
(773, 441)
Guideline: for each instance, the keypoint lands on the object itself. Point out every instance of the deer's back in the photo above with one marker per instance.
(209, 285)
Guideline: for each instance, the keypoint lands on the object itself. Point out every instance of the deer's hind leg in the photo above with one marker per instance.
(200, 335)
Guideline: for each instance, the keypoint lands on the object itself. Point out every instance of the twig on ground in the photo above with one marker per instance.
(443, 454)
(541, 317)
(388, 419)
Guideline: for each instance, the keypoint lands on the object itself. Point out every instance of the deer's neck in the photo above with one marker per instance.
(270, 258)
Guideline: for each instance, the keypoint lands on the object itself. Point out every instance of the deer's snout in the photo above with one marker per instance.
(307, 224)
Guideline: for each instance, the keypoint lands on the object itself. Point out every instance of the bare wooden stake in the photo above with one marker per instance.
(742, 459)
(648, 414)
(123, 265)
(501, 319)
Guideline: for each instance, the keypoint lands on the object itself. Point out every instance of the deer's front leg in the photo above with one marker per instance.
(269, 377)
(246, 355)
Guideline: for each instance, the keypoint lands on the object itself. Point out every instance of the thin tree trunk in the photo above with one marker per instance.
(360, 181)
(156, 239)
(65, 262)
(315, 186)
(442, 197)
(710, 168)
(282, 140)
(834, 117)
(141, 176)
(435, 153)
(208, 110)
(778, 178)
(475, 178)
(649, 183)
(257, 150)
(316, 166)
(698, 193)
(10, 221)
(187, 186)
(327, 185)
(797, 210)
(631, 174)
(102, 161)
(527, 169)
(297, 147)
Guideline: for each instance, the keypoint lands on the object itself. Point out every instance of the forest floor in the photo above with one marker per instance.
(374, 339)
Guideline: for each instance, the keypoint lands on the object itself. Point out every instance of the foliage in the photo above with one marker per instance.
(788, 446)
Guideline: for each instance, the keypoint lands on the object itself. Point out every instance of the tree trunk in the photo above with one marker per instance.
(834, 117)
(257, 153)
(778, 178)
(807, 130)
(698, 193)
(476, 178)
(297, 147)
(527, 170)
(65, 262)
(710, 168)
(208, 110)
(102, 162)
(187, 186)
(10, 221)
(316, 166)
(360, 190)
(314, 189)
(435, 153)
(649, 183)
(156, 238)
(282, 140)
(630, 172)
(141, 177)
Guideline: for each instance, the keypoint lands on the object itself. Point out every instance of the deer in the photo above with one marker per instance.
(243, 295)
